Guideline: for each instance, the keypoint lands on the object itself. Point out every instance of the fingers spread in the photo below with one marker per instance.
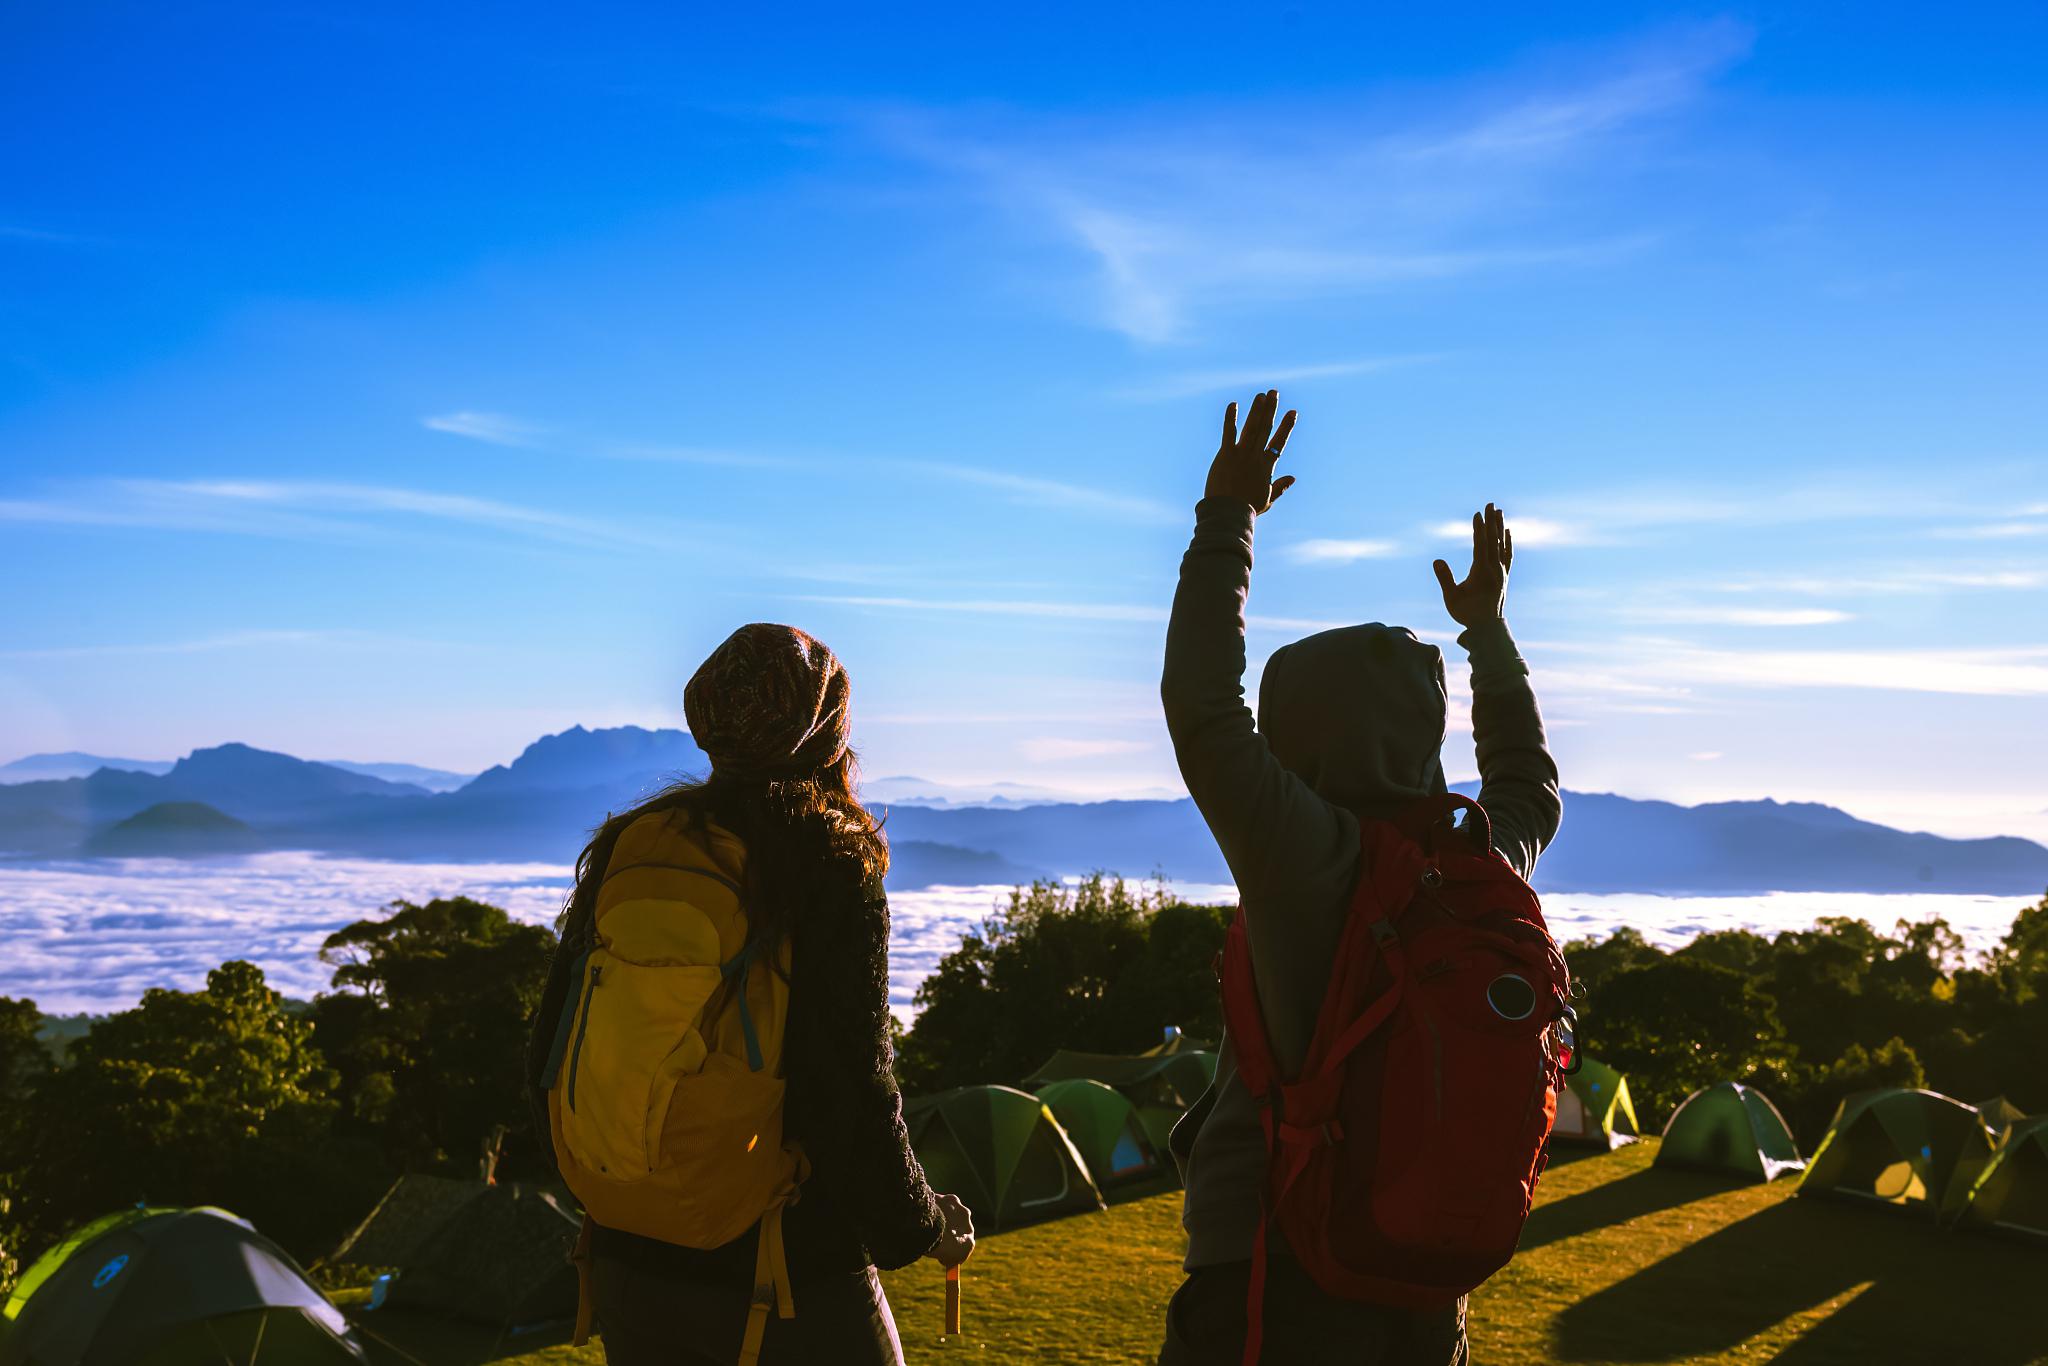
(1443, 576)
(1280, 486)
(1507, 547)
(1230, 427)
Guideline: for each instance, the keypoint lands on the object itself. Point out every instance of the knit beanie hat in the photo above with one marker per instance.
(769, 703)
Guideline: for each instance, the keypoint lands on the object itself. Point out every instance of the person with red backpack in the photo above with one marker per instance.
(711, 1059)
(1396, 1017)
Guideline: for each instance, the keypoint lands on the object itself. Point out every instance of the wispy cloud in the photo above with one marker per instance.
(295, 509)
(1054, 749)
(1155, 203)
(495, 428)
(1922, 580)
(1059, 611)
(1742, 616)
(1029, 489)
(1981, 673)
(1532, 532)
(1328, 552)
(1992, 531)
(1252, 378)
(996, 607)
(230, 640)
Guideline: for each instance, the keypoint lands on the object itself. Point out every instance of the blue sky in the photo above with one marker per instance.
(404, 383)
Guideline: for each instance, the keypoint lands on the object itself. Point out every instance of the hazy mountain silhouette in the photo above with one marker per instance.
(175, 830)
(541, 806)
(72, 764)
(415, 775)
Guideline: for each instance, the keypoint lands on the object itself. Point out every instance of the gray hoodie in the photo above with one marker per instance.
(1351, 722)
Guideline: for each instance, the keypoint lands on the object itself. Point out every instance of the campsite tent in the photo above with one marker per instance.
(171, 1285)
(2010, 1195)
(494, 1254)
(1161, 1084)
(1002, 1152)
(1727, 1127)
(2001, 1114)
(1104, 1126)
(1595, 1107)
(1899, 1147)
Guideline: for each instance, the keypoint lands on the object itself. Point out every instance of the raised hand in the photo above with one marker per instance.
(1243, 467)
(1482, 597)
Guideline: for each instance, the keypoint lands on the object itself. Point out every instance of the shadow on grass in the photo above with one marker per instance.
(1915, 1294)
(1617, 1202)
(1564, 1154)
(398, 1337)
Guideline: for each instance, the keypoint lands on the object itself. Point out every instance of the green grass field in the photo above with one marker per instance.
(1620, 1263)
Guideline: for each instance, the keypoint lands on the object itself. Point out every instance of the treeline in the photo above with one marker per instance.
(1810, 1016)
(297, 1115)
(294, 1116)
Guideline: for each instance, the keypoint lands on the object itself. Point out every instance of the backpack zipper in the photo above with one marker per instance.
(583, 1029)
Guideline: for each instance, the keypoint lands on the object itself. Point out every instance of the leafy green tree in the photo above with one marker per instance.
(1098, 966)
(427, 1028)
(1679, 1023)
(22, 1056)
(1593, 961)
(206, 1097)
(23, 1062)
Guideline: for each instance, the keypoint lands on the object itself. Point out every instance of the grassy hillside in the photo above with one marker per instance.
(1620, 1264)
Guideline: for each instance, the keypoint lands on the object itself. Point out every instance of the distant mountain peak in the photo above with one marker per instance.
(626, 760)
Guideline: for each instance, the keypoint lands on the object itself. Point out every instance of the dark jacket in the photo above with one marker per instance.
(1351, 723)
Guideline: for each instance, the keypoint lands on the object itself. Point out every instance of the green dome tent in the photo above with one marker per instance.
(2001, 1114)
(1104, 1126)
(496, 1254)
(1727, 1127)
(1002, 1152)
(1899, 1147)
(168, 1286)
(1161, 1084)
(2010, 1195)
(1595, 1107)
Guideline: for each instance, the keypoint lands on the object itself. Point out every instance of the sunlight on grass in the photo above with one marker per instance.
(1621, 1263)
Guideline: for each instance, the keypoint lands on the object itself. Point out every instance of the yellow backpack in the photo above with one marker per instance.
(665, 1083)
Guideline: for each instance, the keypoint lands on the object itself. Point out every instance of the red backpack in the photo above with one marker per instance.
(1402, 1161)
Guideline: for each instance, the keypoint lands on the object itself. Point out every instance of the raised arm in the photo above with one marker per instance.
(1267, 822)
(1517, 777)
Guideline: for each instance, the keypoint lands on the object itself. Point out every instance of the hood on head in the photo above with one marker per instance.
(1358, 714)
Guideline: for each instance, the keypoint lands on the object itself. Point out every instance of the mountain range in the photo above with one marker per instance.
(234, 799)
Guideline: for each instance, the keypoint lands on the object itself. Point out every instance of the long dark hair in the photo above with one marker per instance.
(809, 842)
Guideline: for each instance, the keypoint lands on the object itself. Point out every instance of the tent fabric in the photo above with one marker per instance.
(1727, 1127)
(1177, 1078)
(1177, 1042)
(2010, 1193)
(1901, 1148)
(1002, 1152)
(174, 1285)
(1163, 1083)
(1105, 1128)
(1595, 1107)
(2001, 1114)
(494, 1254)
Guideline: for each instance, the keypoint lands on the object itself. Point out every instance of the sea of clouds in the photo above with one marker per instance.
(94, 936)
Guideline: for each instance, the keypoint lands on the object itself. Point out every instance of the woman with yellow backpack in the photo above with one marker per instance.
(713, 1047)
